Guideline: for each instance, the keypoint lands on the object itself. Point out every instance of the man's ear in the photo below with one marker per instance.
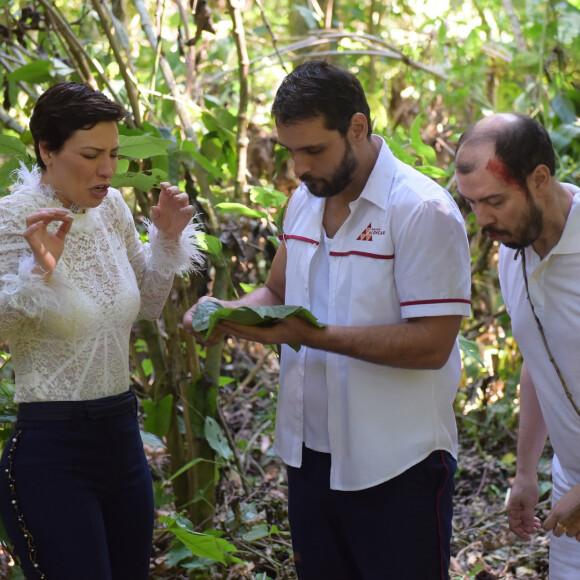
(539, 179)
(358, 129)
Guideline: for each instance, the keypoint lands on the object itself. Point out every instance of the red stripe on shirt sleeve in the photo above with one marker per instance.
(283, 237)
(364, 254)
(439, 301)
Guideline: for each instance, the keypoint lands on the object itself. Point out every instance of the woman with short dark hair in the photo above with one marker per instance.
(75, 488)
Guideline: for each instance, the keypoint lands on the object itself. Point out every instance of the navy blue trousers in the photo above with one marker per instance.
(76, 495)
(398, 530)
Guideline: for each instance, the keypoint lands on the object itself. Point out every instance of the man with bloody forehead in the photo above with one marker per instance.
(505, 169)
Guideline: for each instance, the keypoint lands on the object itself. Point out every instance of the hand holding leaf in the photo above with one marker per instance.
(208, 314)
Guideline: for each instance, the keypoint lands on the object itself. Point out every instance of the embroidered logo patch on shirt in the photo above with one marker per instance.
(368, 233)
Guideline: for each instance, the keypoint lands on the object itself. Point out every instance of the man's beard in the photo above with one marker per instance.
(341, 178)
(525, 234)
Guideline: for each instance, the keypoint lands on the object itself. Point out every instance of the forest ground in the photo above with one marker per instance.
(483, 548)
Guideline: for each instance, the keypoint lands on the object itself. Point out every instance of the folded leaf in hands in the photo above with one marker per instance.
(209, 313)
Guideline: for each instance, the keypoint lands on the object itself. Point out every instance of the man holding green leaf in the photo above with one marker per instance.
(378, 254)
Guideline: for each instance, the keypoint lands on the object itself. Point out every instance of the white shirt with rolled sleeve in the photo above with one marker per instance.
(554, 286)
(401, 253)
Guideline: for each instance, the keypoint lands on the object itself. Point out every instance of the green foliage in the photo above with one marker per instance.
(429, 70)
(158, 418)
(206, 546)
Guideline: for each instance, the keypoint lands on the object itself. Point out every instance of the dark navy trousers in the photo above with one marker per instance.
(76, 494)
(398, 530)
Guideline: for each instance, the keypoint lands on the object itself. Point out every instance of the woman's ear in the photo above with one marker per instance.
(358, 127)
(45, 152)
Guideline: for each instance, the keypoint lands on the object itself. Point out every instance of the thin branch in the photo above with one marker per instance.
(323, 38)
(11, 123)
(235, 10)
(272, 35)
(130, 85)
(167, 73)
(189, 50)
(77, 52)
(516, 28)
(328, 15)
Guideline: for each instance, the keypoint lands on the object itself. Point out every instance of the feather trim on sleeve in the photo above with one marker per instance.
(29, 293)
(169, 257)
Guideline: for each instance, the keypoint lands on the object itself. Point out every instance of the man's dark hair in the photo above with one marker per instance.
(317, 88)
(520, 146)
(65, 108)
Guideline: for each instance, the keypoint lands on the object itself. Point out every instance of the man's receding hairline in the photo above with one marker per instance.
(466, 163)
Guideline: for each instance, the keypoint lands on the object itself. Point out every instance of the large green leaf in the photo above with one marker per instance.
(209, 313)
(424, 151)
(143, 180)
(142, 146)
(268, 197)
(158, 417)
(10, 145)
(202, 545)
(6, 179)
(231, 207)
(399, 152)
(34, 72)
(211, 245)
(190, 149)
(470, 349)
(216, 438)
(151, 439)
(431, 171)
(564, 108)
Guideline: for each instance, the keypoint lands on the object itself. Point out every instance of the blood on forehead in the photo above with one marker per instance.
(501, 171)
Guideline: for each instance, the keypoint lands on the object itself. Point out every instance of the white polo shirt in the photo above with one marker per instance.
(554, 284)
(401, 253)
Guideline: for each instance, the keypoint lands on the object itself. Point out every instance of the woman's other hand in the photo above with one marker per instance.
(173, 212)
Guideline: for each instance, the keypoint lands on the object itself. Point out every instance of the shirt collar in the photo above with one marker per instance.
(379, 182)
(569, 242)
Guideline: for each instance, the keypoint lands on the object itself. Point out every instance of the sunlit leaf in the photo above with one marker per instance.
(399, 152)
(6, 177)
(431, 171)
(151, 439)
(426, 152)
(470, 349)
(142, 146)
(239, 208)
(10, 145)
(210, 244)
(202, 545)
(33, 72)
(144, 181)
(268, 197)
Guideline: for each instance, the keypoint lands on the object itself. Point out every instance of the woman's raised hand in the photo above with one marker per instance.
(173, 212)
(47, 247)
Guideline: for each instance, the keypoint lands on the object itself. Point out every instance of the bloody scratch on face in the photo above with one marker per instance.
(500, 171)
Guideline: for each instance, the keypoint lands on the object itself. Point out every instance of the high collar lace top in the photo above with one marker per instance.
(69, 337)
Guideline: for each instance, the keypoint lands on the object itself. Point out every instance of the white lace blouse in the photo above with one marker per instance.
(69, 337)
